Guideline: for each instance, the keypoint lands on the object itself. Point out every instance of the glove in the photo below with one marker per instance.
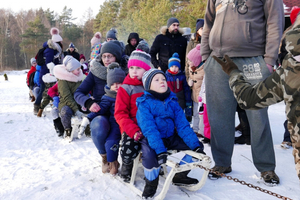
(138, 135)
(162, 158)
(228, 65)
(199, 150)
(79, 114)
(56, 101)
(188, 109)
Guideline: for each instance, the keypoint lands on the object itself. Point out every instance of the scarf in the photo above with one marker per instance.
(110, 93)
(160, 96)
(98, 70)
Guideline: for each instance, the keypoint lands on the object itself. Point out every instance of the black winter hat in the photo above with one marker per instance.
(112, 34)
(133, 35)
(171, 21)
(115, 74)
(199, 24)
(114, 47)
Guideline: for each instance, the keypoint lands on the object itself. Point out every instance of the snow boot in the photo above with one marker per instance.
(58, 127)
(220, 170)
(87, 131)
(105, 164)
(113, 167)
(126, 170)
(68, 132)
(270, 178)
(181, 179)
(36, 108)
(150, 188)
(39, 114)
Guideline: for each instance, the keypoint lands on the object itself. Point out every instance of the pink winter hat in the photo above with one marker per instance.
(140, 58)
(194, 55)
(96, 39)
(55, 35)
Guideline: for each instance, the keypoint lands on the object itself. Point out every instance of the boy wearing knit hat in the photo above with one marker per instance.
(125, 110)
(111, 35)
(195, 79)
(164, 127)
(107, 142)
(29, 78)
(177, 83)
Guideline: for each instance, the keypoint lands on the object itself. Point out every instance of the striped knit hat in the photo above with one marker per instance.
(140, 58)
(148, 76)
(174, 60)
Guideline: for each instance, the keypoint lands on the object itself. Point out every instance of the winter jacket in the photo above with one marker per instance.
(125, 110)
(92, 83)
(74, 53)
(129, 48)
(52, 53)
(255, 33)
(53, 91)
(95, 50)
(196, 75)
(67, 85)
(159, 119)
(37, 75)
(192, 44)
(282, 85)
(177, 84)
(165, 45)
(32, 69)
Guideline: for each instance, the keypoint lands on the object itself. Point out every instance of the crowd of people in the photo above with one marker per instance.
(171, 96)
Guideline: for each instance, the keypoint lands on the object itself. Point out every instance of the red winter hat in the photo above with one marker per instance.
(195, 56)
(294, 13)
(81, 56)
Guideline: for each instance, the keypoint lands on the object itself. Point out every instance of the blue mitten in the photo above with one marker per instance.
(56, 101)
(162, 158)
(188, 109)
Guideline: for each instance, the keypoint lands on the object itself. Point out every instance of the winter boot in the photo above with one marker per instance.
(181, 179)
(36, 108)
(105, 164)
(68, 132)
(113, 167)
(150, 188)
(39, 114)
(126, 170)
(220, 170)
(59, 127)
(270, 178)
(87, 131)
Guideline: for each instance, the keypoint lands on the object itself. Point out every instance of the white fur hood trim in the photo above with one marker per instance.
(61, 73)
(163, 30)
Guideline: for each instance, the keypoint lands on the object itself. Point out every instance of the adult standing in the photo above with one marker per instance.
(52, 53)
(167, 43)
(72, 51)
(133, 41)
(249, 33)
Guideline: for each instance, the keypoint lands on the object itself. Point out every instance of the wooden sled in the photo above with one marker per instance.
(202, 160)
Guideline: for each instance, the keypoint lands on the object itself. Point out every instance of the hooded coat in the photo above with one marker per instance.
(129, 48)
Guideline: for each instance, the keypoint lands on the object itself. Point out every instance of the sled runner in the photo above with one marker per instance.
(173, 163)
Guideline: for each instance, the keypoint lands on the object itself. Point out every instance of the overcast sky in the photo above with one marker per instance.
(79, 7)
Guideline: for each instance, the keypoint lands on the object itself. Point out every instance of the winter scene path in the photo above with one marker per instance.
(36, 164)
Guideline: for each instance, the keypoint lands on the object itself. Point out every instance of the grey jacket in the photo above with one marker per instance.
(256, 33)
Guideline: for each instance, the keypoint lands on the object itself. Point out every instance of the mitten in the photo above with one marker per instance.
(138, 135)
(188, 109)
(56, 101)
(199, 150)
(162, 158)
(228, 65)
(79, 114)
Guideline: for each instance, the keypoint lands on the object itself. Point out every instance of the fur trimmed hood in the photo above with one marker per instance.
(61, 73)
(163, 30)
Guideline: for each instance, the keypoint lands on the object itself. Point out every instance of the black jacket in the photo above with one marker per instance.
(129, 48)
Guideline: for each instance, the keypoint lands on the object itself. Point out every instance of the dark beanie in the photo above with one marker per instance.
(171, 21)
(199, 24)
(148, 76)
(114, 47)
(114, 74)
(112, 34)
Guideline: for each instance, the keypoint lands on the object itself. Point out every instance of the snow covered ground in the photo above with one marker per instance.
(36, 164)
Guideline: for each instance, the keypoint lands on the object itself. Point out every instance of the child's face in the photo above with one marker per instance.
(76, 72)
(115, 87)
(174, 69)
(81, 60)
(136, 72)
(190, 63)
(159, 84)
(108, 58)
(133, 41)
(34, 64)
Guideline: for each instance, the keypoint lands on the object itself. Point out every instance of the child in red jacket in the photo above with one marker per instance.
(125, 108)
(29, 79)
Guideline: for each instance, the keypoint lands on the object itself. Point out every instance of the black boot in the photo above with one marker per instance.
(68, 132)
(125, 172)
(58, 127)
(150, 188)
(181, 179)
(87, 131)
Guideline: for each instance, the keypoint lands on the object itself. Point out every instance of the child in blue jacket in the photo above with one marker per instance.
(165, 127)
(109, 135)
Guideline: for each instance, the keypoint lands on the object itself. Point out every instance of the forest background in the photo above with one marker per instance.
(23, 33)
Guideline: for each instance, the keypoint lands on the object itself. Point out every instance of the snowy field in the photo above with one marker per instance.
(36, 164)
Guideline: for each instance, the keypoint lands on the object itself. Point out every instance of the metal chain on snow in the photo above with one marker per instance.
(244, 183)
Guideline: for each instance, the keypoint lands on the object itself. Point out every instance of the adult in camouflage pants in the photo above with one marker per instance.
(282, 85)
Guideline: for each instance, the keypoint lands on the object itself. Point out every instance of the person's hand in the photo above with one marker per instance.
(188, 109)
(56, 101)
(79, 114)
(226, 63)
(270, 67)
(199, 150)
(138, 135)
(95, 107)
(162, 158)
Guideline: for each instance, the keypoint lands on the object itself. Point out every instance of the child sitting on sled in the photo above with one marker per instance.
(165, 127)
